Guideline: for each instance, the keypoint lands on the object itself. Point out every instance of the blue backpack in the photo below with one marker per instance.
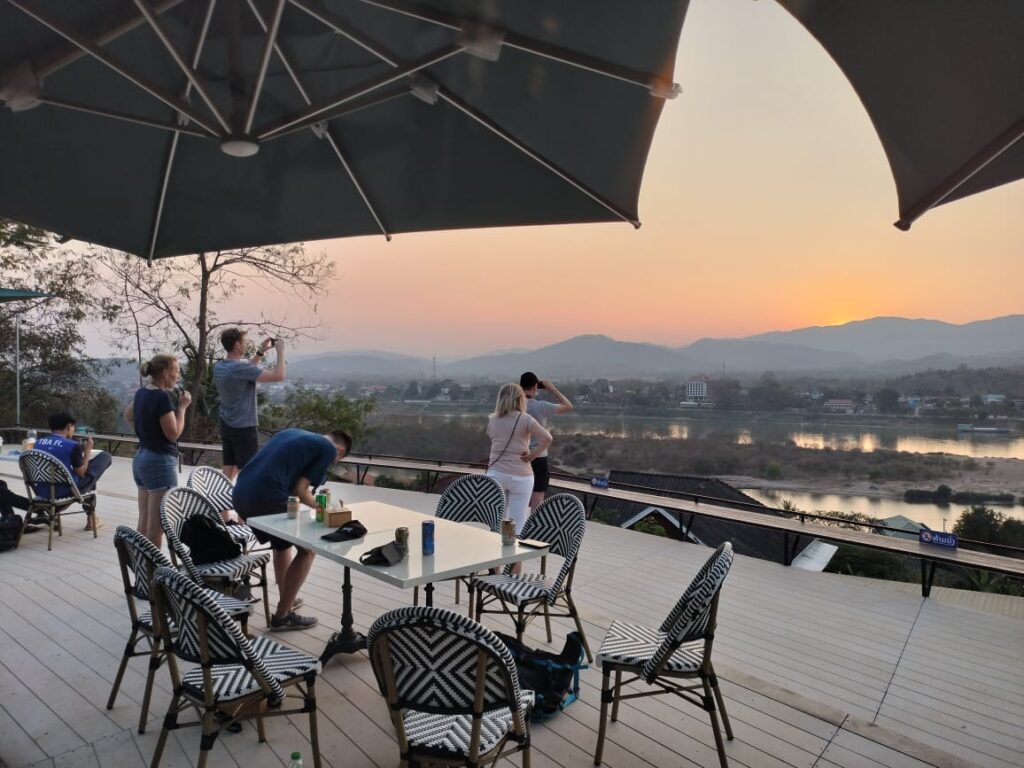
(553, 678)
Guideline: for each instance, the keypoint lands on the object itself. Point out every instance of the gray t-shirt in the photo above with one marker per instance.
(540, 410)
(236, 386)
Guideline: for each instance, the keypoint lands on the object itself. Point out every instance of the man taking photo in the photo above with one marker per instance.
(541, 410)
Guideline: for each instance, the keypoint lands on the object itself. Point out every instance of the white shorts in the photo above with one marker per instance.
(518, 489)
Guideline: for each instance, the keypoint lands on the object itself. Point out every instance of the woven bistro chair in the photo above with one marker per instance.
(177, 506)
(560, 521)
(139, 560)
(41, 470)
(470, 499)
(217, 489)
(236, 678)
(679, 650)
(452, 689)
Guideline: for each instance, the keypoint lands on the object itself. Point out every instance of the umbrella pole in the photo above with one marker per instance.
(17, 369)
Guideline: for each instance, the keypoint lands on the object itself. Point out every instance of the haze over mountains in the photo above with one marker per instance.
(881, 345)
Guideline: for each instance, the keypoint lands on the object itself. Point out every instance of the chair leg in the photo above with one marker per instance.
(266, 594)
(154, 665)
(261, 707)
(49, 540)
(709, 705)
(479, 604)
(520, 623)
(579, 626)
(314, 736)
(469, 599)
(129, 649)
(606, 694)
(208, 737)
(457, 584)
(170, 719)
(547, 620)
(415, 595)
(616, 694)
(526, 757)
(721, 705)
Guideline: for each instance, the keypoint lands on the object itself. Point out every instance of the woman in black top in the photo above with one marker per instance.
(158, 425)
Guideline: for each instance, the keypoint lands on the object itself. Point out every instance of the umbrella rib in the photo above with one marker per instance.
(327, 133)
(347, 109)
(97, 53)
(495, 128)
(188, 71)
(657, 85)
(172, 150)
(378, 82)
(268, 49)
(347, 32)
(65, 104)
(963, 174)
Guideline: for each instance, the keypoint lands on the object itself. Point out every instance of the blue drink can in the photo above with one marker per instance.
(428, 537)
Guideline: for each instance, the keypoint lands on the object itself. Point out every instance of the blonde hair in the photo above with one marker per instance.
(510, 399)
(157, 365)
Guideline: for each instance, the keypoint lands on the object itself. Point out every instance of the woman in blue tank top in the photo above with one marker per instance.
(158, 425)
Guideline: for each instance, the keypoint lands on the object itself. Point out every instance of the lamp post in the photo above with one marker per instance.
(15, 294)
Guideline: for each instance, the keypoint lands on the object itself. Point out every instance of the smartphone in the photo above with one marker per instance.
(534, 543)
(273, 343)
(540, 385)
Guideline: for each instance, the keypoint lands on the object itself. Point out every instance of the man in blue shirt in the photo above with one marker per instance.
(235, 379)
(85, 468)
(292, 463)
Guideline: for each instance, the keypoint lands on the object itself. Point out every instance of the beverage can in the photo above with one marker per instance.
(508, 532)
(428, 537)
(321, 507)
(293, 507)
(402, 536)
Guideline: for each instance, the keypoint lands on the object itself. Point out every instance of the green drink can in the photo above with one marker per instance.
(321, 506)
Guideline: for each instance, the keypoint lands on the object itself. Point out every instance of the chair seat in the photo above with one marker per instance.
(233, 681)
(632, 645)
(235, 569)
(451, 733)
(64, 501)
(242, 534)
(524, 588)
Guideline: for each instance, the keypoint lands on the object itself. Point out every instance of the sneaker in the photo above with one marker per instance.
(292, 621)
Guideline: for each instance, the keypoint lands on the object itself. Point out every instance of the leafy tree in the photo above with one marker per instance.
(171, 305)
(320, 412)
(768, 394)
(55, 371)
(980, 523)
(726, 393)
(887, 400)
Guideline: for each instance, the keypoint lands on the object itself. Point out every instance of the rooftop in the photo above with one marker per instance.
(819, 670)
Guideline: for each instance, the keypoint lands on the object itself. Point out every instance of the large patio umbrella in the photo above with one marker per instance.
(163, 127)
(942, 82)
(16, 294)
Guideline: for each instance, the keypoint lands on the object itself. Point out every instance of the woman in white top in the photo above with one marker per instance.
(510, 428)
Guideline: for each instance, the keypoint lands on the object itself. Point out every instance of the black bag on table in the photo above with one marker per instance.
(208, 542)
(553, 678)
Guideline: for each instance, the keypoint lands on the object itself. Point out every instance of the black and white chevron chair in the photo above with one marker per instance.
(560, 521)
(679, 650)
(452, 688)
(139, 560)
(217, 489)
(237, 678)
(178, 505)
(470, 499)
(40, 470)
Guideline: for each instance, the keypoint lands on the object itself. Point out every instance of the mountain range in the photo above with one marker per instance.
(878, 346)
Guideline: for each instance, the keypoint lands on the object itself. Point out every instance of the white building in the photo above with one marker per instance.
(696, 390)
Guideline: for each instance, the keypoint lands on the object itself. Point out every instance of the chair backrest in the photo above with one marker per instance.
(178, 505)
(205, 633)
(214, 485)
(561, 521)
(473, 499)
(139, 560)
(430, 659)
(693, 617)
(40, 468)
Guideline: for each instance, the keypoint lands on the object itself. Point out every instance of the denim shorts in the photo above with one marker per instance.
(155, 471)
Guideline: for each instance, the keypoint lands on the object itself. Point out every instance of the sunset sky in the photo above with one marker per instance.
(767, 204)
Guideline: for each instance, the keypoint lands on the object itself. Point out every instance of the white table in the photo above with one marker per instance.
(459, 550)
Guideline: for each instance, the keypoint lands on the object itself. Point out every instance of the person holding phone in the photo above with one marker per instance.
(236, 379)
(85, 468)
(541, 410)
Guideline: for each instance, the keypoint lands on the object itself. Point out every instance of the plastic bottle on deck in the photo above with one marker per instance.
(296, 761)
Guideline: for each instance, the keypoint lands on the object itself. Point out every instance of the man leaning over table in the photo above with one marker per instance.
(85, 468)
(292, 463)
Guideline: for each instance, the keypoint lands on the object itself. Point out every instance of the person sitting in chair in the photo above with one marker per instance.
(85, 468)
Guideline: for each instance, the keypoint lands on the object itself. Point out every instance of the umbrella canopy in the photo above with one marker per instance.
(15, 294)
(942, 83)
(163, 127)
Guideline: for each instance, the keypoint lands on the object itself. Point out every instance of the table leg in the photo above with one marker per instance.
(346, 640)
(429, 592)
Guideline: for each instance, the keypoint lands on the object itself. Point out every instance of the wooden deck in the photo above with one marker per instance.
(818, 669)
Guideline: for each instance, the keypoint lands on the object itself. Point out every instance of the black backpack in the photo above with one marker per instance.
(10, 523)
(209, 542)
(553, 678)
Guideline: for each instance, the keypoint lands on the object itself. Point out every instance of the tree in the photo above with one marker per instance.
(726, 393)
(768, 394)
(980, 523)
(320, 412)
(55, 371)
(887, 400)
(171, 304)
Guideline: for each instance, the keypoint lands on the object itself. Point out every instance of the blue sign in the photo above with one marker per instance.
(599, 482)
(937, 538)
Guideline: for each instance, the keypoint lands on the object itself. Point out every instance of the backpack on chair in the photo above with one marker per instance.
(553, 678)
(208, 541)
